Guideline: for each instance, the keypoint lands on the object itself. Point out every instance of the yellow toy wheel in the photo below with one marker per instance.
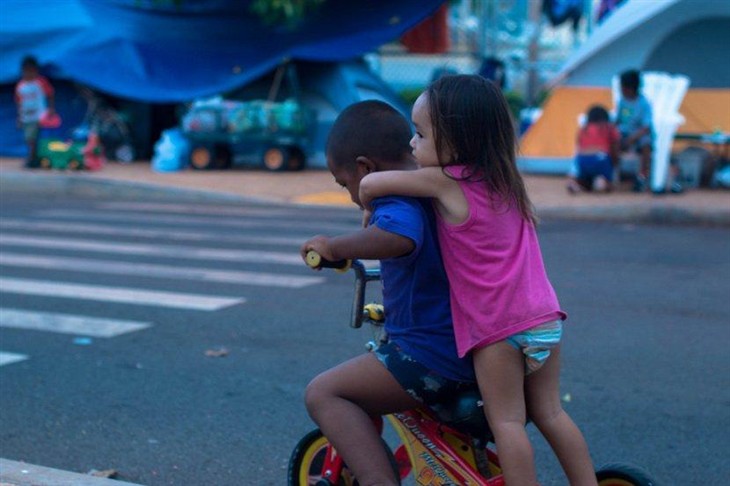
(274, 159)
(45, 163)
(201, 158)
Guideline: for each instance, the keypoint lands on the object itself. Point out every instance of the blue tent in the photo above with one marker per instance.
(173, 51)
(161, 52)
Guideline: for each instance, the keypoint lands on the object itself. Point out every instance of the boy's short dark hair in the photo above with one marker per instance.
(598, 114)
(29, 62)
(373, 129)
(631, 79)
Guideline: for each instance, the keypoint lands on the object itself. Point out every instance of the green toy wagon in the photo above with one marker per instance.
(60, 155)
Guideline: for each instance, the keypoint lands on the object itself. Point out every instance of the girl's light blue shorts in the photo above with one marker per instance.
(536, 343)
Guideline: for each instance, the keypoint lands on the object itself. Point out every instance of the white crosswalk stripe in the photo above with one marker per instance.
(131, 231)
(159, 240)
(67, 323)
(153, 270)
(170, 251)
(8, 358)
(198, 209)
(298, 224)
(116, 294)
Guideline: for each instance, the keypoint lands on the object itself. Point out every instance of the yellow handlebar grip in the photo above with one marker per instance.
(314, 259)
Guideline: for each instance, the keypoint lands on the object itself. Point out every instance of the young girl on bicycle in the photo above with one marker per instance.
(505, 312)
(419, 364)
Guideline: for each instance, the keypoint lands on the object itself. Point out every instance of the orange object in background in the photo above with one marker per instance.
(431, 36)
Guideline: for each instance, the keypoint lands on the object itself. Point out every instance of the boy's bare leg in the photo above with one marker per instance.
(500, 370)
(542, 393)
(343, 400)
(645, 160)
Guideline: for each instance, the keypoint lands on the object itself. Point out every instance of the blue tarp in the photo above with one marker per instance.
(158, 51)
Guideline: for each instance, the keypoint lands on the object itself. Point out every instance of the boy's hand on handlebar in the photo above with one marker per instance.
(320, 244)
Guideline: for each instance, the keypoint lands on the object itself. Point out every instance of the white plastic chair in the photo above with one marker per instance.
(665, 93)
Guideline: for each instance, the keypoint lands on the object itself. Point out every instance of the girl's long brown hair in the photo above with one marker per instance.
(472, 122)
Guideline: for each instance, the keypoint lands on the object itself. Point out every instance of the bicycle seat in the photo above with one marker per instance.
(465, 413)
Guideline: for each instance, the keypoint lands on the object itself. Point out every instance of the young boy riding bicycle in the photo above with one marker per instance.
(419, 365)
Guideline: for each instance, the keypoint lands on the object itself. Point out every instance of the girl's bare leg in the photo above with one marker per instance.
(542, 393)
(343, 400)
(500, 370)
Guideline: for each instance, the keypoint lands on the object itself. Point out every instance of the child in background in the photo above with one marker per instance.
(597, 153)
(506, 315)
(419, 365)
(34, 99)
(634, 123)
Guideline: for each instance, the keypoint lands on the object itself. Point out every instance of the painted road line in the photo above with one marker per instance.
(336, 198)
(199, 209)
(8, 358)
(123, 295)
(23, 474)
(156, 271)
(67, 323)
(131, 231)
(293, 224)
(168, 251)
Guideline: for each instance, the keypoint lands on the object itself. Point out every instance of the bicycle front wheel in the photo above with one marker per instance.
(623, 475)
(307, 459)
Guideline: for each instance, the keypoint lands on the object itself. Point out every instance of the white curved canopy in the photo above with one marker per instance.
(680, 36)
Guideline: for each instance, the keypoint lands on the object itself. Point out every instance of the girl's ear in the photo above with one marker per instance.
(365, 165)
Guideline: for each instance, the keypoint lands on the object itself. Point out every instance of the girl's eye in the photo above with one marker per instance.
(418, 134)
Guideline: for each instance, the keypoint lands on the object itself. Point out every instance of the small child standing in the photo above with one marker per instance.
(505, 312)
(634, 122)
(597, 153)
(34, 98)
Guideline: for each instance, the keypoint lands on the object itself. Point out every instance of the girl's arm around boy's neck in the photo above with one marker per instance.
(428, 182)
(371, 243)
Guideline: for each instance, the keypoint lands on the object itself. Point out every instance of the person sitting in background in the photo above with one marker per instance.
(634, 123)
(34, 99)
(597, 153)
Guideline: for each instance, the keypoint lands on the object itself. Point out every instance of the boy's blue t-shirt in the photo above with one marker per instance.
(416, 289)
(631, 115)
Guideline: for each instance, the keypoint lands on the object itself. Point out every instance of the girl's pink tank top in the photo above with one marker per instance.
(499, 286)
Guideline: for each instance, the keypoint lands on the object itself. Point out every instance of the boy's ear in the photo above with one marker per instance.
(365, 164)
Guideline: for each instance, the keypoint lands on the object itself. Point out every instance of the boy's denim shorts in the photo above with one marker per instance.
(30, 131)
(433, 390)
(593, 165)
(536, 343)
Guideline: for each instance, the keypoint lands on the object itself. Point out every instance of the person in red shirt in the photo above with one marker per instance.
(597, 153)
(34, 98)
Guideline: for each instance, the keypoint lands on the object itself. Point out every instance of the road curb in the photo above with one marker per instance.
(89, 185)
(80, 184)
(670, 215)
(14, 473)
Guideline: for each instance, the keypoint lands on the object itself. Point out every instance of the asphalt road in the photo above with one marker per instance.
(645, 354)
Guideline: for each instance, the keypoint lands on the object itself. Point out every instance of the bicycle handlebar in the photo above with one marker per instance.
(362, 277)
(315, 260)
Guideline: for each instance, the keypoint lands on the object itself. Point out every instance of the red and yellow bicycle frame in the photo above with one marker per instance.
(439, 455)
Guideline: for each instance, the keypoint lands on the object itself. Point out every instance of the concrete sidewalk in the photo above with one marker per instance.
(316, 186)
